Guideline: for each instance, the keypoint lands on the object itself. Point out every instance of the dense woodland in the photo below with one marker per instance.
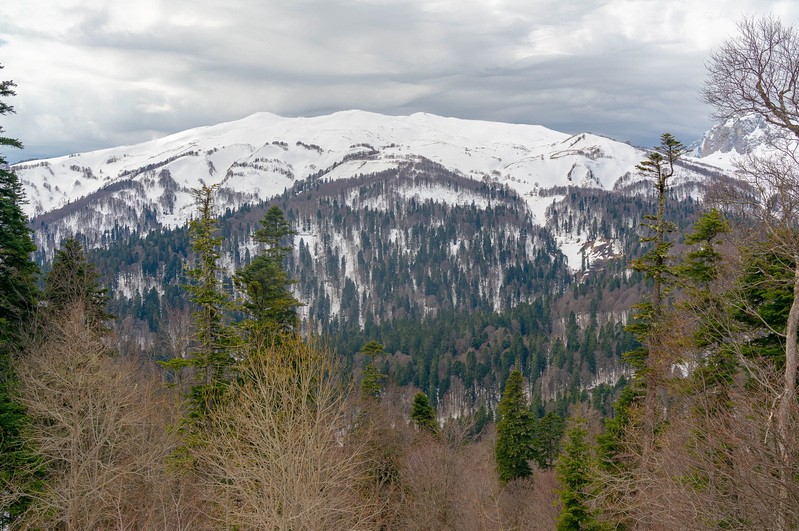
(470, 382)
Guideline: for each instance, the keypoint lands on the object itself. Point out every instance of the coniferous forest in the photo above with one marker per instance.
(473, 381)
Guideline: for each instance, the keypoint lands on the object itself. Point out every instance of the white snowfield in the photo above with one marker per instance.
(261, 155)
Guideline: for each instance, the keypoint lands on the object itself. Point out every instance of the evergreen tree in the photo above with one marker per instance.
(573, 469)
(17, 271)
(74, 280)
(372, 380)
(423, 414)
(18, 295)
(515, 431)
(214, 342)
(699, 268)
(270, 306)
(638, 412)
(658, 165)
(548, 434)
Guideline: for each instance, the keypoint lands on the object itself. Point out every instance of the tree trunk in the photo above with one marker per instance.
(788, 398)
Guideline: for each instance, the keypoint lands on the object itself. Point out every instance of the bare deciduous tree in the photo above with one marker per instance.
(100, 426)
(758, 72)
(275, 455)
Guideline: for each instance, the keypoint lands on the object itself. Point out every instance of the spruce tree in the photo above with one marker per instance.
(423, 414)
(573, 469)
(270, 307)
(214, 341)
(18, 294)
(515, 431)
(74, 280)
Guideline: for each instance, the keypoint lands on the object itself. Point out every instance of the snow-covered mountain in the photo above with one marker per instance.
(258, 157)
(263, 154)
(399, 218)
(728, 143)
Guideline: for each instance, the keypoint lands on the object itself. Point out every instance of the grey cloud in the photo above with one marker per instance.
(547, 62)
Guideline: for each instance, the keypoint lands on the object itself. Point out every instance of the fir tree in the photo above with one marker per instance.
(573, 469)
(74, 280)
(214, 341)
(18, 295)
(270, 306)
(372, 380)
(423, 414)
(699, 268)
(17, 271)
(548, 434)
(515, 431)
(658, 165)
(638, 415)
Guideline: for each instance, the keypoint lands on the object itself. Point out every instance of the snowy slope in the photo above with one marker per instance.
(261, 155)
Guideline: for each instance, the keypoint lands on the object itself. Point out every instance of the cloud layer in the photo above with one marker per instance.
(97, 73)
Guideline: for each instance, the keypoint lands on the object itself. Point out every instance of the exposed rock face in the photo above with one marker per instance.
(741, 135)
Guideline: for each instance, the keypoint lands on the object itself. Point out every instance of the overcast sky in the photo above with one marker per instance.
(100, 73)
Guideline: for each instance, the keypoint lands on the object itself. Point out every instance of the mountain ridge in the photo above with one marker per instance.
(258, 157)
(510, 152)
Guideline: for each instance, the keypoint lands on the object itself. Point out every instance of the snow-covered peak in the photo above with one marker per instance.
(730, 142)
(259, 156)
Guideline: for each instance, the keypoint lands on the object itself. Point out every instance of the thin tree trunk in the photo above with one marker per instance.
(788, 398)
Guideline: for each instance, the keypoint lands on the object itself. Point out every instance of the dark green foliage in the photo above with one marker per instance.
(700, 266)
(17, 271)
(212, 352)
(214, 337)
(18, 295)
(515, 431)
(74, 280)
(574, 473)
(423, 414)
(548, 434)
(372, 379)
(482, 417)
(611, 441)
(766, 290)
(270, 307)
